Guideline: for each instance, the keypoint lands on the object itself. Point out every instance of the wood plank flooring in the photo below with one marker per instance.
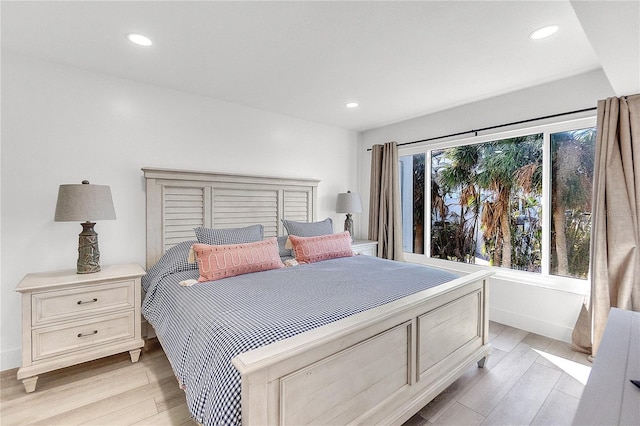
(517, 387)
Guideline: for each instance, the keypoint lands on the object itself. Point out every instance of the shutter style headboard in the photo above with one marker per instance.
(180, 200)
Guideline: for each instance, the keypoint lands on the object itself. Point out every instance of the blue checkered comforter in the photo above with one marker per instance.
(203, 327)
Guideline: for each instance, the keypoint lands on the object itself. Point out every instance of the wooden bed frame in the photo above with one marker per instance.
(377, 367)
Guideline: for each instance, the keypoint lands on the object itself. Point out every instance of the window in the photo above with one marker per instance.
(412, 199)
(520, 202)
(572, 157)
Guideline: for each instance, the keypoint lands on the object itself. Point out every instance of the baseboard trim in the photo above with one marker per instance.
(531, 324)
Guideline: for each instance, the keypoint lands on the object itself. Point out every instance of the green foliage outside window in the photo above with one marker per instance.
(572, 157)
(486, 203)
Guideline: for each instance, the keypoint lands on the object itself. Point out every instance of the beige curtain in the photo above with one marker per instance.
(385, 224)
(615, 236)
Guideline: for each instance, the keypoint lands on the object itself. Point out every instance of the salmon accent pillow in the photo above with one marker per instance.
(222, 261)
(321, 247)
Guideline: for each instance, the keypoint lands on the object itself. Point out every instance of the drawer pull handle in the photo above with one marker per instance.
(80, 302)
(88, 334)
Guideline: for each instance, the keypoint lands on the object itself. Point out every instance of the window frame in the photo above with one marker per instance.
(542, 279)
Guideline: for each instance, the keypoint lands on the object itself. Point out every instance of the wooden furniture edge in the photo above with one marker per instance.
(193, 175)
(609, 397)
(108, 272)
(264, 370)
(253, 360)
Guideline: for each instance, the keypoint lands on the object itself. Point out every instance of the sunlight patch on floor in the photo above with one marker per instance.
(578, 371)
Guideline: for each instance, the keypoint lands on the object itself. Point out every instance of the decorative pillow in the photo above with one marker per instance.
(322, 247)
(308, 229)
(215, 237)
(221, 261)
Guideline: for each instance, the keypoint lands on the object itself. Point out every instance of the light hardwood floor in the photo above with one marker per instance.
(519, 386)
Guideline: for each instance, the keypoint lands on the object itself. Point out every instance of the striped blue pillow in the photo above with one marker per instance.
(285, 253)
(175, 259)
(308, 229)
(216, 237)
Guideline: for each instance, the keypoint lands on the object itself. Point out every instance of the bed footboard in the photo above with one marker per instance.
(377, 367)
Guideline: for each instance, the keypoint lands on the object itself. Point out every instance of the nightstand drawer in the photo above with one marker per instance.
(77, 302)
(57, 340)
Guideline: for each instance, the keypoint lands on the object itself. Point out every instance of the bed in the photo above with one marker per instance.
(374, 354)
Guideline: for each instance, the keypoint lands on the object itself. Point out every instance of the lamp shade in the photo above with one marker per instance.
(84, 202)
(349, 202)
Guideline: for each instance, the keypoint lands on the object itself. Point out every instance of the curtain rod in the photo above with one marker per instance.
(497, 126)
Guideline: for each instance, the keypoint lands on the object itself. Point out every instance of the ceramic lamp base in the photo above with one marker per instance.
(88, 252)
(348, 225)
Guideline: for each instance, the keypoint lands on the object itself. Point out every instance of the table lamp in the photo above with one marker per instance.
(85, 202)
(349, 202)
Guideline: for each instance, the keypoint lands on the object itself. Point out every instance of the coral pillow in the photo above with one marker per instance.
(222, 261)
(321, 247)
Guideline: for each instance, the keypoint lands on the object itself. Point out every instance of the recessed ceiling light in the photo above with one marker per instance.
(352, 105)
(543, 32)
(139, 39)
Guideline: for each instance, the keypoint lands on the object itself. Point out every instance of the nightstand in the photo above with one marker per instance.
(367, 247)
(69, 318)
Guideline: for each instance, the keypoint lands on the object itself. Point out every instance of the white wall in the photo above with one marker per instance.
(533, 305)
(63, 125)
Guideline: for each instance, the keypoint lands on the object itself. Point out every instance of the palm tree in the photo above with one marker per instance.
(455, 237)
(502, 163)
(572, 156)
(460, 176)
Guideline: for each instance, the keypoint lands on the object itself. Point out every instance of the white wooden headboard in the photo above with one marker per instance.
(180, 200)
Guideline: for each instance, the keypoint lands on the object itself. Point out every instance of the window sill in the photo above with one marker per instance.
(570, 285)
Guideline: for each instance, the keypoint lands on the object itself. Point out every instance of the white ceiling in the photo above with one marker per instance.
(307, 59)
